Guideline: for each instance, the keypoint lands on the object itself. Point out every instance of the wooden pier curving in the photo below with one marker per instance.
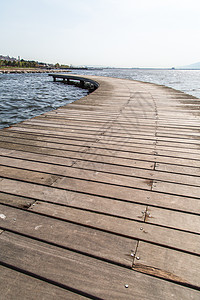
(100, 198)
(83, 81)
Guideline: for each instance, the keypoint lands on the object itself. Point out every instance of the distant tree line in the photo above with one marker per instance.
(19, 63)
(28, 64)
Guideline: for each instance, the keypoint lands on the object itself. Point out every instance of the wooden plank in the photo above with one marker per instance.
(99, 148)
(173, 219)
(87, 200)
(97, 176)
(143, 157)
(177, 189)
(85, 129)
(136, 147)
(75, 123)
(13, 200)
(58, 133)
(65, 119)
(64, 142)
(65, 161)
(62, 128)
(83, 136)
(178, 169)
(77, 155)
(151, 144)
(185, 132)
(83, 239)
(117, 126)
(75, 172)
(124, 119)
(16, 285)
(136, 172)
(71, 144)
(80, 272)
(99, 125)
(185, 241)
(177, 145)
(73, 184)
(191, 136)
(178, 154)
(133, 138)
(167, 263)
(40, 137)
(99, 119)
(44, 144)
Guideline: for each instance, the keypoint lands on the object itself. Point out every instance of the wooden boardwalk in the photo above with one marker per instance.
(100, 198)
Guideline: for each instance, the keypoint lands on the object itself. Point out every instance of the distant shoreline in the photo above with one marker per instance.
(29, 70)
(40, 70)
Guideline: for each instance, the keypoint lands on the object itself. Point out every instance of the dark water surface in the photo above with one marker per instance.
(23, 96)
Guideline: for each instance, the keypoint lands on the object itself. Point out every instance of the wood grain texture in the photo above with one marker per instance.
(86, 274)
(167, 263)
(157, 234)
(100, 198)
(91, 241)
(27, 287)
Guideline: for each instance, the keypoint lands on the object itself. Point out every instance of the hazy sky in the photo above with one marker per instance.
(119, 33)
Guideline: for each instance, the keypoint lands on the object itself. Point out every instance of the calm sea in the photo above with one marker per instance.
(23, 96)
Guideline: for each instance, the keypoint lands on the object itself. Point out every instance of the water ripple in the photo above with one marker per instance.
(23, 96)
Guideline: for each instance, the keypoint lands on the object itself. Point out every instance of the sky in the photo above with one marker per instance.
(113, 33)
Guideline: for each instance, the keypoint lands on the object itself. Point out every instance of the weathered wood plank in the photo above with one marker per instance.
(87, 200)
(117, 124)
(61, 133)
(65, 161)
(13, 200)
(118, 141)
(97, 167)
(90, 150)
(73, 184)
(178, 169)
(167, 263)
(78, 155)
(177, 189)
(16, 285)
(97, 176)
(150, 149)
(173, 219)
(37, 136)
(179, 145)
(187, 136)
(90, 130)
(142, 173)
(5, 135)
(43, 144)
(93, 242)
(86, 274)
(157, 234)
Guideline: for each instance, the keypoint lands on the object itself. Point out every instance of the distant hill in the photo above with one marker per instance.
(195, 66)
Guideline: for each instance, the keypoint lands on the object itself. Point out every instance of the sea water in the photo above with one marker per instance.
(23, 96)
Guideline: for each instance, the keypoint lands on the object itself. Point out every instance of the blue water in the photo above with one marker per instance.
(23, 96)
